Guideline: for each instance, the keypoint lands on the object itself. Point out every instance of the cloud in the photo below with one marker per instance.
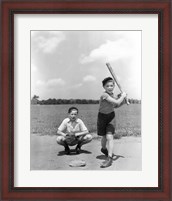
(55, 82)
(47, 41)
(110, 51)
(89, 78)
(77, 85)
(40, 83)
(51, 83)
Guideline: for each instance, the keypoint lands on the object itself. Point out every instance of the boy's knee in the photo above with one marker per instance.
(109, 136)
(110, 129)
(88, 137)
(60, 139)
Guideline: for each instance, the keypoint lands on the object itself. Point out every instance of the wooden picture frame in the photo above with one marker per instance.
(11, 7)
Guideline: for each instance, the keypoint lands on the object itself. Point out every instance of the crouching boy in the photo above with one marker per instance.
(73, 131)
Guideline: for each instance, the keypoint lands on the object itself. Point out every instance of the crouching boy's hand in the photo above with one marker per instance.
(70, 137)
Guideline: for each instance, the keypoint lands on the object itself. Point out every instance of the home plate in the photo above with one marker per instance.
(77, 163)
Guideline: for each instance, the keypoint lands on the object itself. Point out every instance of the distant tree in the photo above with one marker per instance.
(134, 101)
(131, 101)
(78, 101)
(34, 100)
(84, 101)
(59, 101)
(35, 97)
(72, 101)
(54, 101)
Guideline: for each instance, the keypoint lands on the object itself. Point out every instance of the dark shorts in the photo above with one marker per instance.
(104, 124)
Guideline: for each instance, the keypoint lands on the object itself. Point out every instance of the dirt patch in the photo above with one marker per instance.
(46, 154)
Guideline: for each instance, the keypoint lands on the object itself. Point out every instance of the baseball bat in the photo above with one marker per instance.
(116, 80)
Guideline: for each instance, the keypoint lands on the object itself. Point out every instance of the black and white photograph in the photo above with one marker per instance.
(86, 100)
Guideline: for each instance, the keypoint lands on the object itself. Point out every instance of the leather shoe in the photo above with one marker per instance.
(67, 150)
(107, 162)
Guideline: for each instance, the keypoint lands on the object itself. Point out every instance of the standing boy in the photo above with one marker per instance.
(73, 131)
(106, 114)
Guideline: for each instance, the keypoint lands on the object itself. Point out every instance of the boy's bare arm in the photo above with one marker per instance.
(117, 101)
(77, 134)
(61, 133)
(122, 103)
(119, 105)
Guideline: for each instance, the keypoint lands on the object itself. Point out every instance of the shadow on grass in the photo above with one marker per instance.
(115, 157)
(73, 152)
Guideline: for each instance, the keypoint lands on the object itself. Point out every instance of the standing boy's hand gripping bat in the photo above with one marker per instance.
(116, 80)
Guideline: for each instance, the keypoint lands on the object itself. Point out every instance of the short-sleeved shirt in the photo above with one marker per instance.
(105, 106)
(66, 126)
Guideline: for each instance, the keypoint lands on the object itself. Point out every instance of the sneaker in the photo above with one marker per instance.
(78, 149)
(67, 150)
(107, 162)
(104, 151)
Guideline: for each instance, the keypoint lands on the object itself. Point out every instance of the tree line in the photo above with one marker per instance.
(50, 101)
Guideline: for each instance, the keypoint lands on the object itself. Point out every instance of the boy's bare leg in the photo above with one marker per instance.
(86, 139)
(110, 144)
(61, 141)
(108, 162)
(104, 146)
(83, 140)
(103, 142)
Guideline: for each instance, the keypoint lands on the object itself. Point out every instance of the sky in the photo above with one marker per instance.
(72, 64)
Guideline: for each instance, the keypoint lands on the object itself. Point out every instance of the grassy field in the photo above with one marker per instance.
(45, 119)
